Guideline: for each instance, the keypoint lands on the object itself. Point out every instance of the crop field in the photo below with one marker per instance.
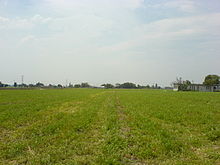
(101, 126)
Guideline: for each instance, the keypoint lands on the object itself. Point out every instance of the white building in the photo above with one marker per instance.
(197, 87)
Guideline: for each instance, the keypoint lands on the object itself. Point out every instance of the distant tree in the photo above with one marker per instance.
(24, 85)
(181, 84)
(128, 85)
(178, 81)
(184, 85)
(70, 85)
(77, 86)
(31, 85)
(108, 85)
(139, 86)
(15, 84)
(155, 86)
(39, 84)
(1, 85)
(187, 82)
(85, 85)
(59, 86)
(211, 80)
(117, 85)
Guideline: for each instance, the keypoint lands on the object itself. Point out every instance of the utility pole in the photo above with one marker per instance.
(22, 80)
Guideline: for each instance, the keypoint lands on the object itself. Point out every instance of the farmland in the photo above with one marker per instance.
(100, 126)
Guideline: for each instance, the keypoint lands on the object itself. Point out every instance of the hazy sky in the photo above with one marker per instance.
(98, 41)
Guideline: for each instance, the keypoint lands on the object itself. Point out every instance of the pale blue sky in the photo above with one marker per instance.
(114, 41)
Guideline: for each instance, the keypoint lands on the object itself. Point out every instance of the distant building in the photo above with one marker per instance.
(197, 87)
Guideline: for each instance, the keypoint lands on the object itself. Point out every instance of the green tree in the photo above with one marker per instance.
(85, 85)
(70, 85)
(128, 85)
(77, 86)
(31, 85)
(108, 85)
(1, 85)
(182, 85)
(59, 86)
(39, 84)
(117, 85)
(187, 82)
(15, 84)
(211, 80)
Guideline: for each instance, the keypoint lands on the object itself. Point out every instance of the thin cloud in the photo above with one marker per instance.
(169, 29)
(4, 2)
(67, 4)
(182, 5)
(27, 40)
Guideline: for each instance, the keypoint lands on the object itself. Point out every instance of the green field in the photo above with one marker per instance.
(98, 126)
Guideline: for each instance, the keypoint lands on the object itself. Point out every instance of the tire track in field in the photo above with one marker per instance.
(113, 144)
(103, 137)
(122, 116)
(93, 139)
(126, 134)
(84, 145)
(103, 141)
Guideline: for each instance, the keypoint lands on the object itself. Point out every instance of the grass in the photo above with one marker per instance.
(97, 126)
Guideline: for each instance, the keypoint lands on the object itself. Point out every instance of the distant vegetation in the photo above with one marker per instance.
(209, 80)
(127, 85)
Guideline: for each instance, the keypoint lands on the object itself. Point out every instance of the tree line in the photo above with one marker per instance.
(129, 85)
(126, 85)
(37, 85)
(208, 81)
